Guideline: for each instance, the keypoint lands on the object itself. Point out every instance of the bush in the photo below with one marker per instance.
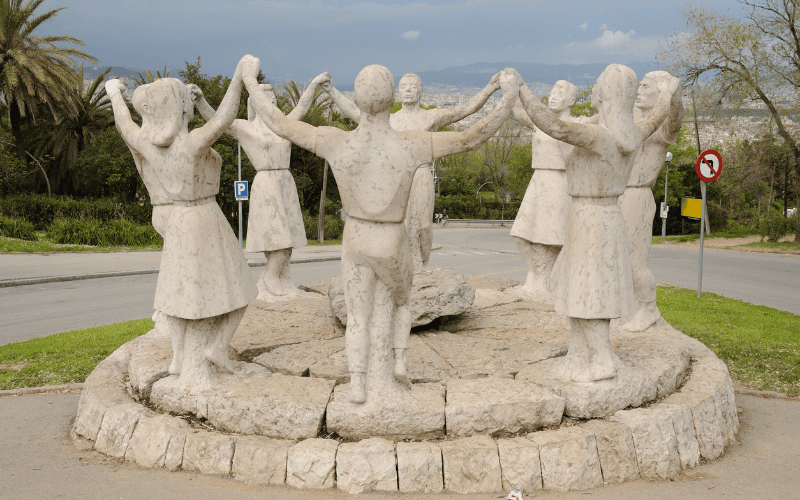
(772, 225)
(334, 226)
(41, 210)
(15, 227)
(794, 224)
(94, 232)
(468, 207)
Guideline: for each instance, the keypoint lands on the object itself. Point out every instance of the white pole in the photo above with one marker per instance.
(241, 242)
(702, 228)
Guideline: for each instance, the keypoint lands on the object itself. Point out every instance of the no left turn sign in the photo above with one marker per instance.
(708, 165)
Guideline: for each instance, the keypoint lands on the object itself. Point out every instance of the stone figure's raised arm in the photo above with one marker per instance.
(673, 123)
(345, 105)
(207, 112)
(448, 143)
(666, 92)
(446, 116)
(522, 116)
(307, 98)
(128, 129)
(577, 134)
(223, 118)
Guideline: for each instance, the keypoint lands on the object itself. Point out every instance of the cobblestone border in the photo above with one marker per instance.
(45, 389)
(656, 442)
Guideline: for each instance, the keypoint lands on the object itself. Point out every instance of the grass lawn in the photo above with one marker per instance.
(761, 346)
(13, 245)
(780, 246)
(326, 242)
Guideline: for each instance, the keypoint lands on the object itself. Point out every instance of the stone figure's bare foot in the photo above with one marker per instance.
(218, 358)
(400, 371)
(643, 318)
(358, 387)
(602, 368)
(177, 362)
(273, 285)
(536, 287)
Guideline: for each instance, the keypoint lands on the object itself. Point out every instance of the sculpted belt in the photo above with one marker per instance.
(195, 203)
(589, 200)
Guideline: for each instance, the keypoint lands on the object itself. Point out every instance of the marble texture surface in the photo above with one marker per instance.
(471, 465)
(311, 464)
(369, 465)
(419, 467)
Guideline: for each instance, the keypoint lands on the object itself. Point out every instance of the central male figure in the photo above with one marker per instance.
(374, 166)
(419, 215)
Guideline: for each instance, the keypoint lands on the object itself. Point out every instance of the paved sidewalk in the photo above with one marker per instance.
(38, 461)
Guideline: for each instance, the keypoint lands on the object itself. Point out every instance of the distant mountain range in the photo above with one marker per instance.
(91, 72)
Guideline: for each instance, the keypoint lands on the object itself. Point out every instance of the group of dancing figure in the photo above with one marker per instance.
(580, 250)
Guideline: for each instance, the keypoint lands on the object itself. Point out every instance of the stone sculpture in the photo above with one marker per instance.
(540, 228)
(419, 214)
(374, 167)
(591, 279)
(204, 283)
(275, 224)
(638, 204)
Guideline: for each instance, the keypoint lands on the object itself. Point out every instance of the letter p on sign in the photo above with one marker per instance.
(241, 190)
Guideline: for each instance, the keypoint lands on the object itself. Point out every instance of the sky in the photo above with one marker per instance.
(299, 39)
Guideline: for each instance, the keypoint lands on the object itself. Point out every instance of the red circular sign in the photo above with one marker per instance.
(708, 165)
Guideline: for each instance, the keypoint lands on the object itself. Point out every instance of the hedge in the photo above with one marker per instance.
(118, 232)
(41, 210)
(468, 207)
(16, 227)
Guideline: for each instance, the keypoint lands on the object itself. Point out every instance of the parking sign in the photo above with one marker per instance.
(241, 190)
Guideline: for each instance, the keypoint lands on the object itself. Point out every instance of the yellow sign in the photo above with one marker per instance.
(692, 207)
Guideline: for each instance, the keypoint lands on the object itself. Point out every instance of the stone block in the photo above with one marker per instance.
(369, 465)
(615, 449)
(491, 405)
(149, 363)
(569, 459)
(415, 414)
(118, 425)
(655, 441)
(520, 465)
(707, 418)
(471, 465)
(311, 464)
(150, 441)
(208, 452)
(177, 444)
(419, 467)
(104, 387)
(296, 359)
(259, 460)
(683, 423)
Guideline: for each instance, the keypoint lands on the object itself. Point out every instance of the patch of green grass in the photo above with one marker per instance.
(43, 245)
(326, 242)
(761, 346)
(785, 246)
(64, 358)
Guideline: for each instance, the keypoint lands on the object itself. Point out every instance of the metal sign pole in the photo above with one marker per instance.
(664, 219)
(241, 243)
(702, 228)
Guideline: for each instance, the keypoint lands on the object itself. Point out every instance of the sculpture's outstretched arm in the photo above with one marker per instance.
(522, 116)
(675, 118)
(448, 143)
(223, 118)
(545, 119)
(307, 98)
(127, 128)
(666, 92)
(207, 112)
(345, 105)
(446, 116)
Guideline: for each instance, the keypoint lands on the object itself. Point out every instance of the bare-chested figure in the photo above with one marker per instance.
(374, 166)
(419, 215)
(638, 204)
(275, 224)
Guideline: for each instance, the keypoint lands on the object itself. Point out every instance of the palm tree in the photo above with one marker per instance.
(33, 69)
(147, 77)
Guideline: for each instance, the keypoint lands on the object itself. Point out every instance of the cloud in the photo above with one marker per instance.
(584, 26)
(613, 40)
(411, 35)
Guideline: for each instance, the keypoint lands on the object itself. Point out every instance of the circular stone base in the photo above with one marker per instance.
(506, 451)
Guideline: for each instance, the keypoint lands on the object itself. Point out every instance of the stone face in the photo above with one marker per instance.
(419, 467)
(569, 459)
(652, 367)
(416, 414)
(435, 292)
(311, 464)
(104, 388)
(368, 465)
(149, 363)
(655, 441)
(683, 423)
(119, 423)
(175, 449)
(151, 440)
(471, 465)
(491, 405)
(295, 359)
(208, 452)
(259, 460)
(512, 321)
(520, 465)
(615, 449)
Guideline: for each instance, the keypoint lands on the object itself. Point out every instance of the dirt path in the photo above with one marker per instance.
(738, 244)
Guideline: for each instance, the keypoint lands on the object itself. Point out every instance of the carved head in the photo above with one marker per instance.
(410, 89)
(563, 96)
(374, 89)
(163, 105)
(267, 89)
(613, 96)
(647, 95)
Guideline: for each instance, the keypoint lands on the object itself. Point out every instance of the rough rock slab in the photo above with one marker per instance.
(713, 378)
(569, 459)
(295, 359)
(616, 450)
(368, 465)
(119, 423)
(652, 368)
(419, 467)
(248, 402)
(104, 388)
(485, 299)
(319, 286)
(266, 326)
(524, 320)
(311, 464)
(496, 405)
(208, 452)
(416, 414)
(436, 292)
(471, 465)
(654, 437)
(150, 441)
(149, 363)
(495, 284)
(683, 424)
(520, 465)
(260, 460)
(476, 357)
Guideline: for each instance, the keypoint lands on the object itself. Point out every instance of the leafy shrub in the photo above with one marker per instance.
(41, 210)
(94, 232)
(469, 207)
(15, 227)
(794, 224)
(772, 225)
(334, 226)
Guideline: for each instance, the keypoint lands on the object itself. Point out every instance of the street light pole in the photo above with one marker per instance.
(480, 201)
(663, 216)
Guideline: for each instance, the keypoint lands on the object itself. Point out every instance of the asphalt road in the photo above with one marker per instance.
(40, 310)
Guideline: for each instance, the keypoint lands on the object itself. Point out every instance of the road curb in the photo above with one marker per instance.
(765, 394)
(45, 389)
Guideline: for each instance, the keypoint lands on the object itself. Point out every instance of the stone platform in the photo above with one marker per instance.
(490, 417)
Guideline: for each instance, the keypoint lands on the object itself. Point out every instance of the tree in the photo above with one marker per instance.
(33, 70)
(497, 152)
(756, 58)
(148, 77)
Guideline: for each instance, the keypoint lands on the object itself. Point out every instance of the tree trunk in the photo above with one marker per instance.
(15, 117)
